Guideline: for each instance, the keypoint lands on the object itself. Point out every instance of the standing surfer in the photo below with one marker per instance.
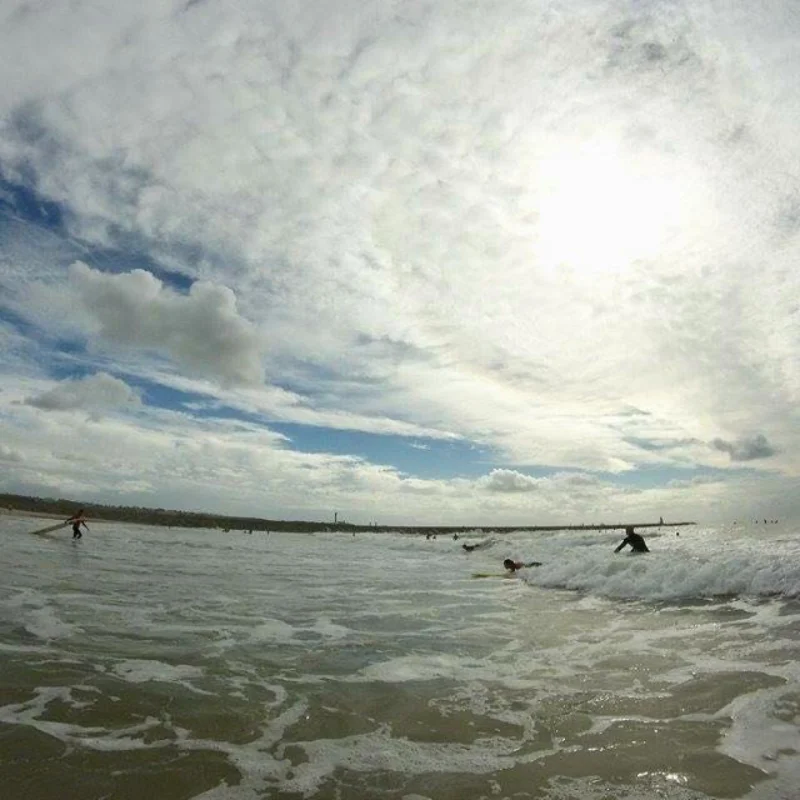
(77, 520)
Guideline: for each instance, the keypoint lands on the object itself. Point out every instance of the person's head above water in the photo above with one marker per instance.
(509, 564)
(629, 529)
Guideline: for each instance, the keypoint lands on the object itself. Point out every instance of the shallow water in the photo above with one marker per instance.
(181, 664)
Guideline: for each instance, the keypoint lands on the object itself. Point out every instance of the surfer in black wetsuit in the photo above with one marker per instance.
(634, 540)
(77, 520)
(513, 566)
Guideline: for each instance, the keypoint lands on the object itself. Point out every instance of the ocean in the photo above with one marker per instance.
(144, 662)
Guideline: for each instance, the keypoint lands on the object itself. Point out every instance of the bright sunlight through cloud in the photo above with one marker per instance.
(602, 209)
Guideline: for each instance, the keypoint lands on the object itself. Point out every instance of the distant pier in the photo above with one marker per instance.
(445, 530)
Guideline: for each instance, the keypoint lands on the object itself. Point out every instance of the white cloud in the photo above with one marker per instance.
(94, 393)
(508, 480)
(170, 459)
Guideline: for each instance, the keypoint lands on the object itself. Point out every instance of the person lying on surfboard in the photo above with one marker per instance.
(77, 520)
(513, 566)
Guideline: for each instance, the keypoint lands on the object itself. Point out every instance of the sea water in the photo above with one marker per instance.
(142, 662)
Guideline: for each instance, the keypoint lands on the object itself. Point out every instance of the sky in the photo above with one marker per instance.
(510, 262)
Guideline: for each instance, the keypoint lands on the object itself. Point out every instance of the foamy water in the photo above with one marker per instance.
(179, 664)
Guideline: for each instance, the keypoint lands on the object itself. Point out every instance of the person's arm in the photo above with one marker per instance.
(534, 564)
(622, 544)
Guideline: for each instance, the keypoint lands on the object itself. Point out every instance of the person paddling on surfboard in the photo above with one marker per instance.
(77, 520)
(635, 540)
(513, 566)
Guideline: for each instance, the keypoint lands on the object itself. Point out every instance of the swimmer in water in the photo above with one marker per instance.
(512, 566)
(635, 540)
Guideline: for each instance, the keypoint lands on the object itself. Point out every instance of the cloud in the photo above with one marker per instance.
(479, 223)
(694, 482)
(7, 454)
(508, 480)
(169, 459)
(746, 448)
(202, 331)
(100, 392)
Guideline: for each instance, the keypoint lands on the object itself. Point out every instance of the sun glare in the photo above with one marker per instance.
(600, 211)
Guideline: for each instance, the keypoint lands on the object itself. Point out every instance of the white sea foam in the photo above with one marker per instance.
(567, 788)
(330, 630)
(272, 630)
(143, 671)
(380, 751)
(673, 570)
(766, 730)
(34, 612)
(45, 624)
(30, 713)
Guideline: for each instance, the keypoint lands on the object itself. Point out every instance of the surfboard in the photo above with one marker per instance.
(492, 574)
(51, 528)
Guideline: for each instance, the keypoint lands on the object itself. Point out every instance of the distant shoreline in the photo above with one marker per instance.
(50, 508)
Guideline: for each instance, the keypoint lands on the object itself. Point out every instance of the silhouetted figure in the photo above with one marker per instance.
(634, 540)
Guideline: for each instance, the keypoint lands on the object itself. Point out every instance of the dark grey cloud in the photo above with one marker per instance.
(746, 448)
(7, 454)
(202, 331)
(93, 393)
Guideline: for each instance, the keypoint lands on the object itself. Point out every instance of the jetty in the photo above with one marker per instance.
(60, 508)
(478, 529)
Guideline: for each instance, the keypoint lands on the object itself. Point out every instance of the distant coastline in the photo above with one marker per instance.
(59, 507)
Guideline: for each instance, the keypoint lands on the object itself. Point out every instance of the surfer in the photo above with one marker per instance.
(635, 540)
(77, 520)
(513, 566)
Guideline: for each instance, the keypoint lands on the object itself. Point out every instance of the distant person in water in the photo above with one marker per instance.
(513, 566)
(77, 520)
(634, 540)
